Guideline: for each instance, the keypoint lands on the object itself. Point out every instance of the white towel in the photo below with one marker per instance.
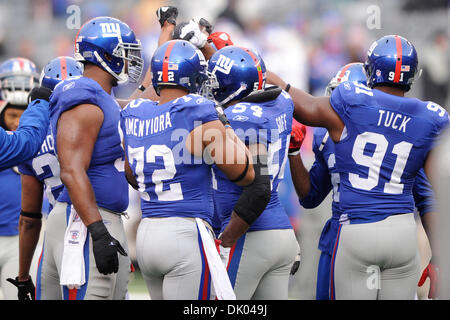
(221, 281)
(72, 268)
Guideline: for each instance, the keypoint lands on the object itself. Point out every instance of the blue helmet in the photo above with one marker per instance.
(392, 60)
(17, 77)
(234, 73)
(108, 42)
(178, 63)
(350, 72)
(59, 69)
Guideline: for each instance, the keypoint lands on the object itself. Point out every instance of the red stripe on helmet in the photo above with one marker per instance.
(398, 63)
(21, 63)
(257, 64)
(344, 69)
(63, 68)
(165, 75)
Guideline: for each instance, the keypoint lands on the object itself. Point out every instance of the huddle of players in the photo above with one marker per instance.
(222, 170)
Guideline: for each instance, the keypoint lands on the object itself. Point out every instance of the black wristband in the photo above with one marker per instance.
(287, 87)
(242, 175)
(142, 88)
(33, 215)
(97, 229)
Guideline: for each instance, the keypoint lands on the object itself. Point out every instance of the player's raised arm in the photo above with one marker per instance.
(311, 110)
(22, 144)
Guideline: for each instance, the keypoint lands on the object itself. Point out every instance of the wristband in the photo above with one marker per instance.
(294, 153)
(142, 88)
(244, 172)
(287, 87)
(33, 215)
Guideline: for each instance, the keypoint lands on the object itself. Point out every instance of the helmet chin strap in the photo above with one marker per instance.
(121, 78)
(234, 94)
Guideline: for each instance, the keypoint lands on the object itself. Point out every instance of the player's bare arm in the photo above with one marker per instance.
(310, 110)
(77, 132)
(300, 176)
(30, 223)
(224, 147)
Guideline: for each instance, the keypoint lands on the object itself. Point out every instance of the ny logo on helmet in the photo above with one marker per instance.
(224, 64)
(110, 29)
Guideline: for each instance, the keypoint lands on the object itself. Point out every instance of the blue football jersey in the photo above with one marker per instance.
(10, 199)
(384, 144)
(172, 182)
(106, 171)
(268, 123)
(45, 167)
(324, 177)
(423, 194)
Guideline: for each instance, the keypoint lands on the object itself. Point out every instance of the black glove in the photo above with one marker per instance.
(26, 288)
(168, 14)
(295, 265)
(39, 93)
(205, 23)
(105, 248)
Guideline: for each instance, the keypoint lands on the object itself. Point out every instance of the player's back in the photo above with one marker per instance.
(45, 167)
(105, 171)
(172, 182)
(268, 123)
(384, 144)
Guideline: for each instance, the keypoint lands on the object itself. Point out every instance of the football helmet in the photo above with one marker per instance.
(392, 60)
(59, 69)
(17, 77)
(350, 72)
(178, 63)
(234, 73)
(109, 43)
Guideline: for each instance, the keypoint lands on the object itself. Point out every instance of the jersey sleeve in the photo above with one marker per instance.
(423, 194)
(26, 168)
(338, 100)
(22, 144)
(73, 93)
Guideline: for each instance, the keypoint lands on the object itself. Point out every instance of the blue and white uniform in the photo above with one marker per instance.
(260, 261)
(175, 188)
(45, 168)
(324, 178)
(383, 146)
(106, 175)
(20, 145)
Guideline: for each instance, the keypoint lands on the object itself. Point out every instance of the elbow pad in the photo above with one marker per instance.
(255, 197)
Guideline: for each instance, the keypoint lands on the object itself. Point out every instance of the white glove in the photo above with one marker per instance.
(224, 255)
(190, 31)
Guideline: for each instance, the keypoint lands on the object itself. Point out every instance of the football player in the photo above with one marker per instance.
(260, 261)
(77, 263)
(382, 139)
(312, 187)
(15, 83)
(171, 145)
(17, 77)
(38, 174)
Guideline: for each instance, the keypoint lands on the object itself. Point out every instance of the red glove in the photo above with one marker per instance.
(431, 271)
(298, 134)
(220, 40)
